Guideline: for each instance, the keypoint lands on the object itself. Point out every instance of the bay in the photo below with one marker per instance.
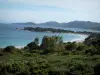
(10, 36)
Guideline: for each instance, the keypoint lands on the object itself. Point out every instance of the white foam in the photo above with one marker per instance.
(19, 47)
(80, 39)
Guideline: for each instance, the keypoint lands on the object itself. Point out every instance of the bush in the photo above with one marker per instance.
(91, 51)
(80, 48)
(97, 69)
(71, 46)
(52, 44)
(33, 45)
(10, 49)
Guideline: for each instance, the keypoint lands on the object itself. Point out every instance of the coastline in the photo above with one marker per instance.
(77, 40)
(80, 39)
(81, 34)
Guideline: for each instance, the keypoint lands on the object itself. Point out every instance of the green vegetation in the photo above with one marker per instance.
(40, 29)
(33, 45)
(53, 30)
(9, 49)
(52, 44)
(52, 57)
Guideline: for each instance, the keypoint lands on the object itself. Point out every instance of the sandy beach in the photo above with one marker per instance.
(80, 39)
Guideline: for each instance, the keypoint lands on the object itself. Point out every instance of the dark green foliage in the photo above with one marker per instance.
(93, 39)
(52, 44)
(36, 40)
(81, 47)
(94, 42)
(97, 69)
(71, 46)
(39, 29)
(2, 53)
(33, 45)
(91, 51)
(10, 49)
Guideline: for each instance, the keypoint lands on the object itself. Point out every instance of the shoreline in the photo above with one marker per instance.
(77, 40)
(80, 34)
(81, 38)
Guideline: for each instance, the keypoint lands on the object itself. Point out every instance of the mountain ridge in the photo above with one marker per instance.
(72, 24)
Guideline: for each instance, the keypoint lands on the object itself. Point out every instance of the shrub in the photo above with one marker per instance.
(52, 44)
(91, 51)
(71, 46)
(10, 49)
(33, 45)
(97, 69)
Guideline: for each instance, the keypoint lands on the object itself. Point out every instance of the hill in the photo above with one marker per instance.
(27, 23)
(72, 24)
(82, 24)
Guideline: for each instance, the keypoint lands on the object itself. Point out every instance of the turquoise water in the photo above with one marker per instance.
(10, 36)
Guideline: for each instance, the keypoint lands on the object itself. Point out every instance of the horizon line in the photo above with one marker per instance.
(48, 21)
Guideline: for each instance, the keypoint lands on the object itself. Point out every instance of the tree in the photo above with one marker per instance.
(52, 44)
(34, 45)
(36, 40)
(48, 43)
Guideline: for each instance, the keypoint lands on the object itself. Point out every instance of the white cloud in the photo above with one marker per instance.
(42, 16)
(74, 10)
(68, 4)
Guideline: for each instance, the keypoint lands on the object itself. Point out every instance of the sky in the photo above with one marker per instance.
(39, 11)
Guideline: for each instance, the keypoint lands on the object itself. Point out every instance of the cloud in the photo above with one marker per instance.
(82, 5)
(24, 5)
(47, 10)
(42, 16)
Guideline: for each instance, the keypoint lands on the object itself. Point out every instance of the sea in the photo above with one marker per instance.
(9, 35)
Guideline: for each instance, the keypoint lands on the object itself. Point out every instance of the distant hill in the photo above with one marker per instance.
(82, 24)
(72, 24)
(27, 23)
(50, 23)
